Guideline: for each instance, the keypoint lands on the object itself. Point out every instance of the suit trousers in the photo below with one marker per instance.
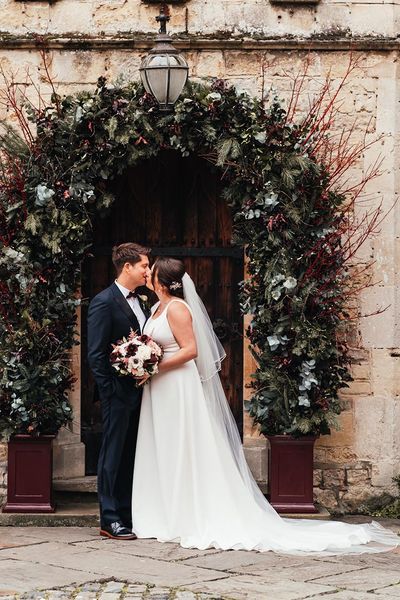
(116, 459)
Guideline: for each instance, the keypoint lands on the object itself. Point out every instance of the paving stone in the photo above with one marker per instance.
(384, 560)
(24, 576)
(392, 591)
(110, 596)
(246, 587)
(60, 595)
(348, 595)
(106, 564)
(113, 587)
(366, 579)
(136, 589)
(303, 572)
(237, 560)
(208, 597)
(158, 595)
(150, 548)
(34, 535)
(86, 596)
(92, 586)
(185, 596)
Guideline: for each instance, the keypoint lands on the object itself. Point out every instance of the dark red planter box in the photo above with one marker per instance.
(291, 473)
(30, 474)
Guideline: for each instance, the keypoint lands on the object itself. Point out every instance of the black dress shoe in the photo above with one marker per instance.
(116, 531)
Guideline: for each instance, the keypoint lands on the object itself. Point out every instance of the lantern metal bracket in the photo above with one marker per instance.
(163, 18)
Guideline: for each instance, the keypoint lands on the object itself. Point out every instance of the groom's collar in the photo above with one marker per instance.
(125, 291)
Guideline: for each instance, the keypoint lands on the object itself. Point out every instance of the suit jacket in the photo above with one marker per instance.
(110, 318)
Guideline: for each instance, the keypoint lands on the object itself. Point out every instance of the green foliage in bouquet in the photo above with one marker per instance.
(288, 215)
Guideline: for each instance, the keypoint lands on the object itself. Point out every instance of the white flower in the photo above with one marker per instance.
(273, 341)
(143, 298)
(43, 195)
(270, 200)
(290, 283)
(143, 353)
(276, 293)
(78, 113)
(303, 401)
(277, 279)
(260, 137)
(213, 96)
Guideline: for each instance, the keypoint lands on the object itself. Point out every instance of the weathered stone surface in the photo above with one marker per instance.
(245, 586)
(334, 478)
(363, 580)
(392, 591)
(62, 595)
(136, 589)
(109, 596)
(158, 595)
(257, 459)
(113, 587)
(357, 476)
(87, 596)
(326, 498)
(3, 452)
(317, 477)
(234, 561)
(22, 575)
(185, 596)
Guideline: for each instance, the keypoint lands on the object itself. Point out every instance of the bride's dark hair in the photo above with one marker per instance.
(169, 272)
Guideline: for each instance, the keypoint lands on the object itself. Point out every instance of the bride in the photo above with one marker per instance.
(191, 481)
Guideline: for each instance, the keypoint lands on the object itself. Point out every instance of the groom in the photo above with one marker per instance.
(112, 314)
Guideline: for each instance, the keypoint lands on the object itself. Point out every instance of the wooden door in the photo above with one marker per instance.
(173, 205)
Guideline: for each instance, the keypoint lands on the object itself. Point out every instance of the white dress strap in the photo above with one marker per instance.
(181, 301)
(154, 308)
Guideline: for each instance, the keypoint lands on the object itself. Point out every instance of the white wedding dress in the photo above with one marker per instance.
(189, 489)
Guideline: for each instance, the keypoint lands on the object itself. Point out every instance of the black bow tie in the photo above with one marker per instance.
(131, 295)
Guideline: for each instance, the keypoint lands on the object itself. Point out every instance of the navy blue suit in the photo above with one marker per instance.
(110, 318)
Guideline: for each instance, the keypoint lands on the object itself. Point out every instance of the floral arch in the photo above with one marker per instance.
(286, 212)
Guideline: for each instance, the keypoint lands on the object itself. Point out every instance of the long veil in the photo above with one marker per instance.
(210, 355)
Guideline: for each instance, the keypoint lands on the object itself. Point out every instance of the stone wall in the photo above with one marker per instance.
(258, 18)
(255, 44)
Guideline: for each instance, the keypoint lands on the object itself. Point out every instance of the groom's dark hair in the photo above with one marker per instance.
(128, 252)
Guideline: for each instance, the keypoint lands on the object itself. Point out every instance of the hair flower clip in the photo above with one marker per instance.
(175, 285)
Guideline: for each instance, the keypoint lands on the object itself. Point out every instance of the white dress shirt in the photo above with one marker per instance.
(134, 304)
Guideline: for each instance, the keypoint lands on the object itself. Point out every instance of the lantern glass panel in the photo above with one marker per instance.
(163, 76)
(158, 80)
(178, 80)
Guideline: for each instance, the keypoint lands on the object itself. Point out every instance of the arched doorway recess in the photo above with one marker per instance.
(175, 206)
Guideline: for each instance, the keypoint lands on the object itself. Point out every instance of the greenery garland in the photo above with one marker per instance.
(285, 215)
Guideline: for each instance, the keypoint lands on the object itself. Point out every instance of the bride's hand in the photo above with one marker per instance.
(143, 380)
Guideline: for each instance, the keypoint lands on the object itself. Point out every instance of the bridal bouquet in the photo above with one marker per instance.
(137, 356)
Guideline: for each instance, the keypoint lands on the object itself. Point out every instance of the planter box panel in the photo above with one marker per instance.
(291, 474)
(30, 471)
